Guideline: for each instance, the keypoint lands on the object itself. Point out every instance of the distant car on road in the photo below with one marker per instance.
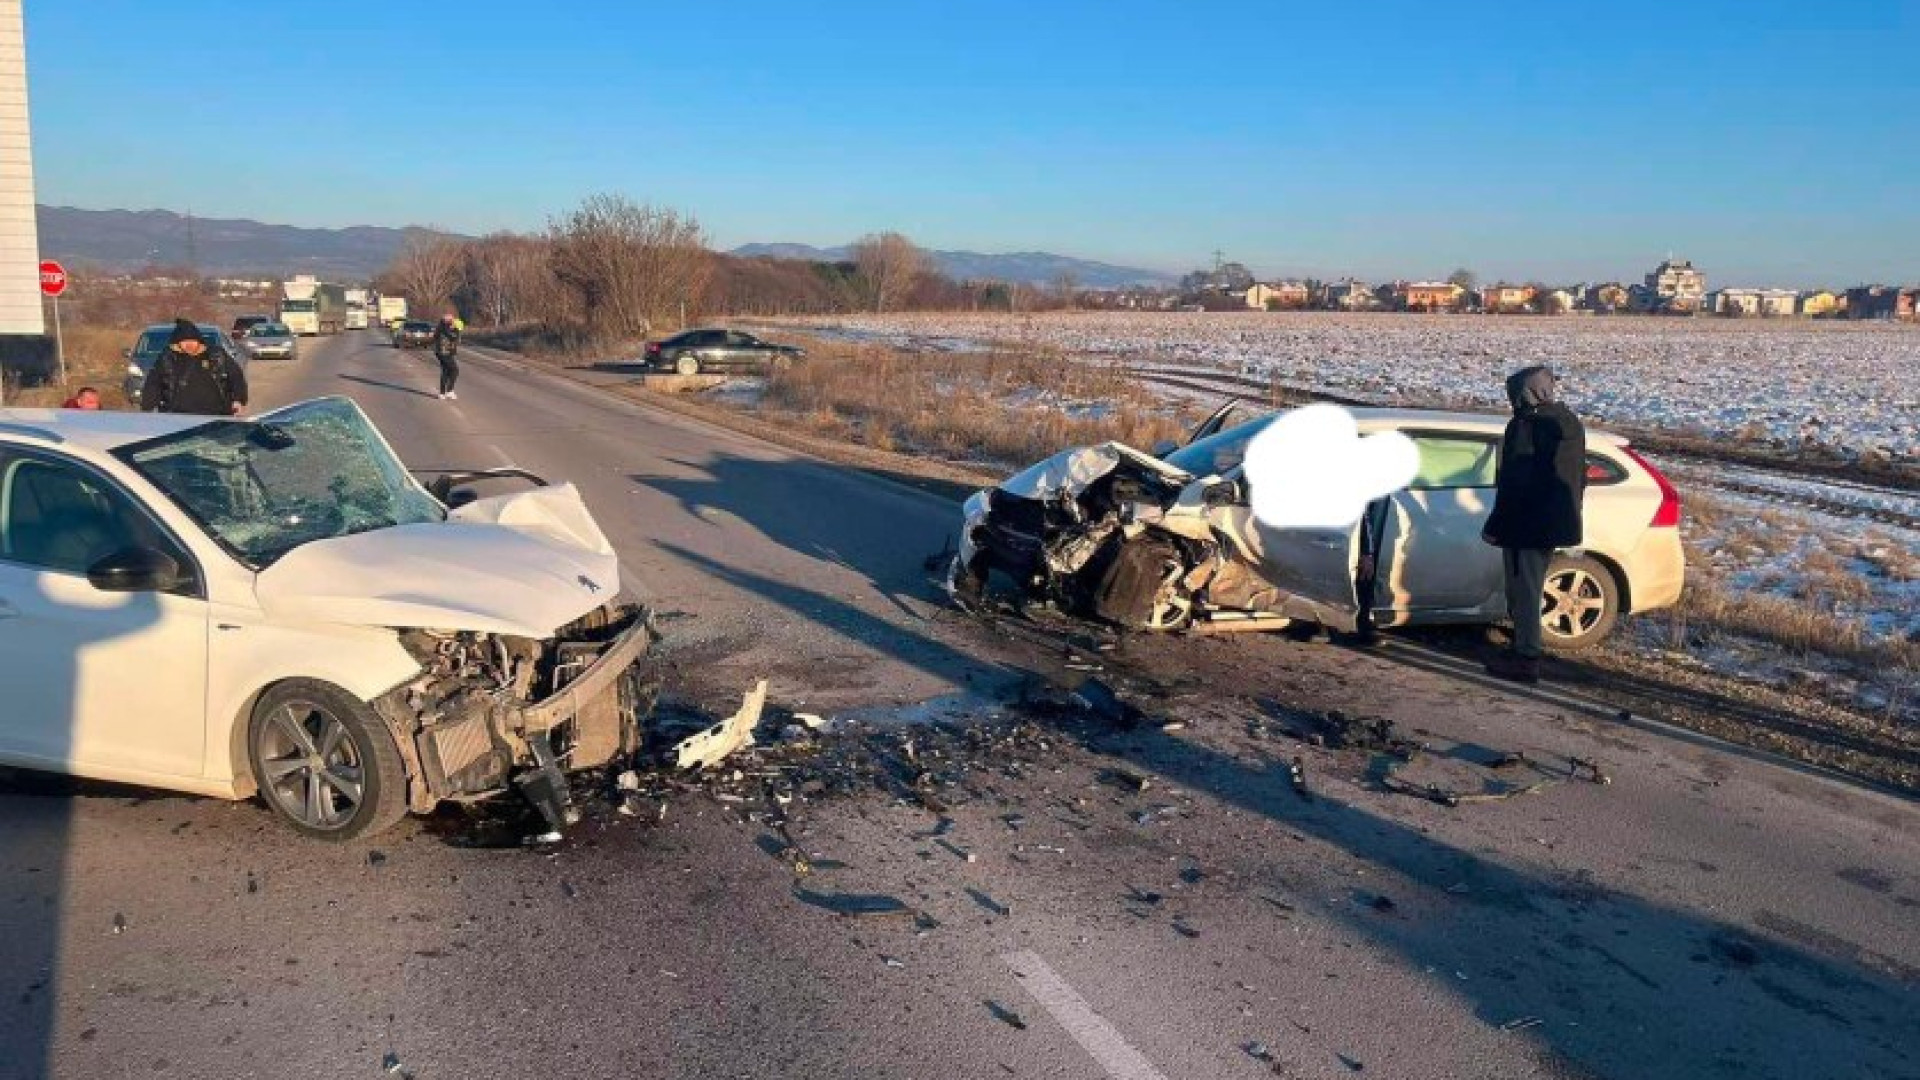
(153, 341)
(247, 322)
(413, 334)
(696, 351)
(268, 341)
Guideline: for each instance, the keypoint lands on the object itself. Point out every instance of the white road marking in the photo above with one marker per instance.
(1088, 1028)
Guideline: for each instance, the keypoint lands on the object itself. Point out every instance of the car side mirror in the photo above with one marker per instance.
(460, 497)
(126, 354)
(134, 570)
(1164, 447)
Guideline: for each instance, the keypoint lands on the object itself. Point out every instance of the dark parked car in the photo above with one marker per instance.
(245, 323)
(695, 351)
(413, 334)
(153, 341)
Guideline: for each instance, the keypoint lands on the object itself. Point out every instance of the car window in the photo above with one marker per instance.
(1449, 462)
(1218, 453)
(151, 342)
(711, 337)
(308, 472)
(737, 338)
(60, 516)
(268, 329)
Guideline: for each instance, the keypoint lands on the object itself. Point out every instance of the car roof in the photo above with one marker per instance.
(1493, 423)
(90, 430)
(205, 327)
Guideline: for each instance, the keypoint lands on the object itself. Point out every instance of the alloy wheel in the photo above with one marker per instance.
(313, 769)
(1573, 603)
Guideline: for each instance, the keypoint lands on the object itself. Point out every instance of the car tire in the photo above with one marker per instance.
(686, 364)
(1580, 606)
(300, 720)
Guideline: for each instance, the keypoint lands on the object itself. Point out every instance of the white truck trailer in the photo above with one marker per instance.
(393, 310)
(356, 309)
(312, 306)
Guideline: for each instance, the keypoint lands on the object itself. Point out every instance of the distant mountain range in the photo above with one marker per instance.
(221, 247)
(1025, 267)
(117, 240)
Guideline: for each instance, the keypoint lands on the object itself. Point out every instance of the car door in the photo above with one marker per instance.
(1311, 568)
(1436, 560)
(96, 681)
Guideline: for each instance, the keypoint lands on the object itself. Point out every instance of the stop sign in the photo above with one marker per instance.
(53, 278)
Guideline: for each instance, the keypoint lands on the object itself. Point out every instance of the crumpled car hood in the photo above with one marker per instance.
(523, 564)
(1072, 471)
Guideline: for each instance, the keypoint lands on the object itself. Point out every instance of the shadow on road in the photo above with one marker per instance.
(823, 512)
(364, 381)
(1605, 983)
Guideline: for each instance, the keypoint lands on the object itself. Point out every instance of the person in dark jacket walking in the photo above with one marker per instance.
(1536, 507)
(446, 349)
(192, 377)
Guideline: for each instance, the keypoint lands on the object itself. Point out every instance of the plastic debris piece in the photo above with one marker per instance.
(708, 748)
(119, 923)
(1006, 1016)
(628, 781)
(1521, 1023)
(1297, 775)
(853, 905)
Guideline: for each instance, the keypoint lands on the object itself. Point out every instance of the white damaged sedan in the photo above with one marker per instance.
(276, 606)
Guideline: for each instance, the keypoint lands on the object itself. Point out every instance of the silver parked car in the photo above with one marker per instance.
(269, 341)
(1166, 541)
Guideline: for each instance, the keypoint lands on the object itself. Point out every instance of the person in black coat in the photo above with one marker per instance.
(192, 377)
(1536, 507)
(446, 349)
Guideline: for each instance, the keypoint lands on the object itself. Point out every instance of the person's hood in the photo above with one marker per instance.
(524, 564)
(1530, 388)
(1073, 471)
(185, 330)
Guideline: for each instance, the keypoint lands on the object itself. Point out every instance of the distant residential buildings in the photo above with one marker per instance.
(1880, 302)
(1772, 303)
(1675, 285)
(1429, 296)
(1506, 299)
(1608, 298)
(1819, 303)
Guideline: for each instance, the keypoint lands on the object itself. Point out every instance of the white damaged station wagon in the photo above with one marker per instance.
(276, 606)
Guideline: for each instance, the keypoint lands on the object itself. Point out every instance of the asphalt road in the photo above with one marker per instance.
(1709, 912)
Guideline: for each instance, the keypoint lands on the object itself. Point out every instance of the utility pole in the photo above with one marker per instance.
(193, 254)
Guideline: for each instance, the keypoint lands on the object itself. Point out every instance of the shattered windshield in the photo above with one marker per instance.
(1219, 453)
(310, 472)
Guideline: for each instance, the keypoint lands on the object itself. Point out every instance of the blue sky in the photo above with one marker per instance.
(1770, 142)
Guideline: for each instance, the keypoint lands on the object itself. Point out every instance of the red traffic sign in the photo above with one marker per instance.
(53, 278)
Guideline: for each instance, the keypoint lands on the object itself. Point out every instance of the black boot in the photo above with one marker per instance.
(1514, 668)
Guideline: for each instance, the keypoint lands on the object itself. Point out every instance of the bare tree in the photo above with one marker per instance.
(629, 264)
(888, 264)
(428, 270)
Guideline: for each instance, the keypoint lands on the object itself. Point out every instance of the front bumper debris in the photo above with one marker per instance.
(491, 712)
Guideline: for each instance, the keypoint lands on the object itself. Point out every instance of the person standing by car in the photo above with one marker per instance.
(1536, 507)
(446, 349)
(190, 377)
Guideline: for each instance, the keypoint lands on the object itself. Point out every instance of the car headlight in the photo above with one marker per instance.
(134, 369)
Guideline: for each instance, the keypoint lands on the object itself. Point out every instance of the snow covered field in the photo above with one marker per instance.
(1850, 387)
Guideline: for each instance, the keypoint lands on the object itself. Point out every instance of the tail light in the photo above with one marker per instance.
(1668, 515)
(653, 348)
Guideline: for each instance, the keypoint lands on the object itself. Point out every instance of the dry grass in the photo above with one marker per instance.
(1709, 607)
(1001, 408)
(93, 359)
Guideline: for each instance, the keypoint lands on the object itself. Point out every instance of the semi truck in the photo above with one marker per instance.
(313, 306)
(356, 309)
(393, 309)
